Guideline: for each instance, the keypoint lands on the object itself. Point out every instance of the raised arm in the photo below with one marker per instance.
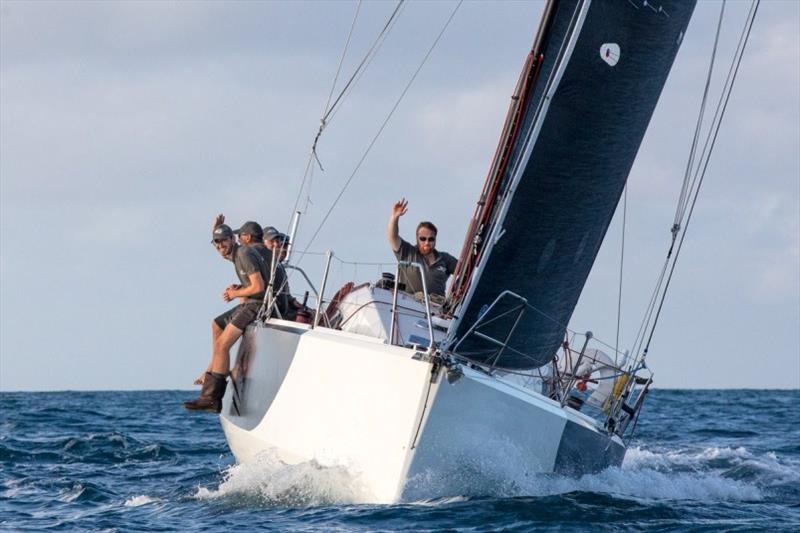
(392, 230)
(220, 220)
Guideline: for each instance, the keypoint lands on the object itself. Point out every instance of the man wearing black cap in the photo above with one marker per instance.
(250, 235)
(228, 327)
(279, 244)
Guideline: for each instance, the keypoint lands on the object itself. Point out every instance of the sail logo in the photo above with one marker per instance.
(609, 52)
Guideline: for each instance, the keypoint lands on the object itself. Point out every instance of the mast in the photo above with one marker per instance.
(475, 239)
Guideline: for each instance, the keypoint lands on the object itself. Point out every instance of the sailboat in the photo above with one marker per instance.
(399, 389)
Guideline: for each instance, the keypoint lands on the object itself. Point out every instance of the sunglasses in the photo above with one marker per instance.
(426, 239)
(218, 241)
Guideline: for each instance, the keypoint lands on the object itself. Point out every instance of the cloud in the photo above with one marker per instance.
(464, 119)
(126, 126)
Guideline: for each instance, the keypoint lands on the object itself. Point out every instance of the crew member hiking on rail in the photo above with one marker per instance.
(437, 266)
(226, 329)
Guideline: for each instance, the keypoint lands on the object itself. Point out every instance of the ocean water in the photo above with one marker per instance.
(136, 461)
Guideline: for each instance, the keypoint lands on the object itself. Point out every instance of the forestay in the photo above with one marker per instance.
(595, 76)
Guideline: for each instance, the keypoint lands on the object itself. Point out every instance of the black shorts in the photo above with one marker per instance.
(240, 316)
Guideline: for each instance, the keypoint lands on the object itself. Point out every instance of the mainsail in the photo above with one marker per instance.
(581, 109)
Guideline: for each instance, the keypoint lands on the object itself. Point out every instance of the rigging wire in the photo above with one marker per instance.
(621, 263)
(365, 61)
(377, 46)
(380, 129)
(341, 60)
(712, 138)
(676, 224)
(310, 170)
(330, 108)
(682, 200)
(699, 175)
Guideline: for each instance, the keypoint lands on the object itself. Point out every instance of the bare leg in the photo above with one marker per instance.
(215, 380)
(221, 361)
(216, 331)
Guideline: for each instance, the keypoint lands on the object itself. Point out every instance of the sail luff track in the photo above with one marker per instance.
(475, 239)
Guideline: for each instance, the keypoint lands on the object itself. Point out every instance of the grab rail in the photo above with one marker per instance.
(305, 276)
(328, 257)
(502, 345)
(425, 295)
(573, 377)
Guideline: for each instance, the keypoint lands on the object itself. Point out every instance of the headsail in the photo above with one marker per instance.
(582, 107)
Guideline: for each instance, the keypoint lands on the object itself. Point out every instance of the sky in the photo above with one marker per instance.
(125, 127)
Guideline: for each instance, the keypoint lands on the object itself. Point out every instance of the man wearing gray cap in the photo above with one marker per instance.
(270, 233)
(228, 327)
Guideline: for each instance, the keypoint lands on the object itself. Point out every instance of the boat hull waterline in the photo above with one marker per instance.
(391, 417)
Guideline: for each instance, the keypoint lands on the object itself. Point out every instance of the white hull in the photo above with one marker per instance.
(344, 399)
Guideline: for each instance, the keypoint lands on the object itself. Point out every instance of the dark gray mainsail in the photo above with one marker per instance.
(584, 101)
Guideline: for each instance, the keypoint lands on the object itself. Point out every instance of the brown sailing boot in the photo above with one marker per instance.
(211, 394)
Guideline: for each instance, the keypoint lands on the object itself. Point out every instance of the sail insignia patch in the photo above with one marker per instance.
(609, 52)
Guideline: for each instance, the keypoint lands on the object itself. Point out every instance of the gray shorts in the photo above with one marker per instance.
(240, 316)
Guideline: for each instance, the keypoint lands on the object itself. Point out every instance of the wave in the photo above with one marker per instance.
(138, 501)
(765, 469)
(84, 492)
(96, 448)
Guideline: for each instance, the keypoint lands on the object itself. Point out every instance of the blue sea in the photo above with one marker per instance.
(136, 461)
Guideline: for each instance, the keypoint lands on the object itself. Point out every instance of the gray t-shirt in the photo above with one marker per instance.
(436, 274)
(280, 287)
(246, 261)
(266, 257)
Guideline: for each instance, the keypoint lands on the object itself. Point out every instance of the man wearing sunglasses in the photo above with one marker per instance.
(437, 266)
(226, 329)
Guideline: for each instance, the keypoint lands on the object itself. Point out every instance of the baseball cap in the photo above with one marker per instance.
(270, 232)
(250, 228)
(223, 231)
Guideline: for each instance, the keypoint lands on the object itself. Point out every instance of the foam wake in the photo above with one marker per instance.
(272, 482)
(705, 475)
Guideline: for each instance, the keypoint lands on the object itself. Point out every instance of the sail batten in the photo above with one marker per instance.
(604, 66)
